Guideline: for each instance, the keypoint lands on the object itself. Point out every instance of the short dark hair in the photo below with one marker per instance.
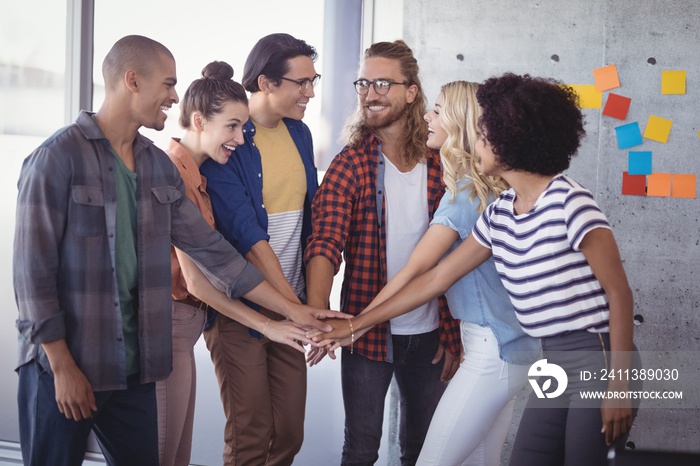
(132, 52)
(208, 94)
(533, 124)
(270, 56)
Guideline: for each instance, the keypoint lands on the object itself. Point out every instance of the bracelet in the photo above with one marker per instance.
(265, 327)
(352, 336)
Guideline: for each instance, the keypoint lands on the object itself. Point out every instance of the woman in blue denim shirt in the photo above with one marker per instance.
(472, 420)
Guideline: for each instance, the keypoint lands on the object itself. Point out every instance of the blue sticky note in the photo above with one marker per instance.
(639, 163)
(628, 135)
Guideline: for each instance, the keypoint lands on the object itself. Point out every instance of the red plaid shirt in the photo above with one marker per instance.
(344, 219)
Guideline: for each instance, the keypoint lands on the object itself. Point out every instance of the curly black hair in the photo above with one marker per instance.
(533, 124)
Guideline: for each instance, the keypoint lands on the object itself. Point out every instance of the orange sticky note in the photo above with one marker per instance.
(658, 128)
(659, 185)
(588, 95)
(633, 185)
(673, 82)
(684, 186)
(606, 78)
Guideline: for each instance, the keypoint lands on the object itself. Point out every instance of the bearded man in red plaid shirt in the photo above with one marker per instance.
(375, 203)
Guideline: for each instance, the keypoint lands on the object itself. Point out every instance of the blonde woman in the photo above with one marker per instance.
(473, 417)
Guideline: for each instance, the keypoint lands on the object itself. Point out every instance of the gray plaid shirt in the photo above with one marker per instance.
(64, 265)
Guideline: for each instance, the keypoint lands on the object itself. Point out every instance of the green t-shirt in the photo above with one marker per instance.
(127, 263)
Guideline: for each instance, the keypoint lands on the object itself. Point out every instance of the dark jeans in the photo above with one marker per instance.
(365, 385)
(125, 423)
(566, 430)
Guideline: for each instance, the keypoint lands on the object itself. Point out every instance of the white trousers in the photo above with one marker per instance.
(472, 419)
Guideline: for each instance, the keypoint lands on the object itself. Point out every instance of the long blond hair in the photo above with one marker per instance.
(415, 131)
(459, 118)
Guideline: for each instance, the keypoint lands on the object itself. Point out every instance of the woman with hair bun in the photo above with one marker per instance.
(213, 112)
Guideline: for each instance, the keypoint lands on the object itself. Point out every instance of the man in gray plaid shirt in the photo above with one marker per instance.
(98, 207)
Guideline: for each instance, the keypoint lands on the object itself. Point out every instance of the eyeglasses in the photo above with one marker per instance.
(304, 84)
(381, 86)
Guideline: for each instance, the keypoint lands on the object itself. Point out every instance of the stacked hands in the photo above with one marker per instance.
(344, 330)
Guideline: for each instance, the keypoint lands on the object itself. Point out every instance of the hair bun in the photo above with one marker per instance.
(219, 70)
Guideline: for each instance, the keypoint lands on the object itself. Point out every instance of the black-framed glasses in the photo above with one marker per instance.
(381, 86)
(304, 84)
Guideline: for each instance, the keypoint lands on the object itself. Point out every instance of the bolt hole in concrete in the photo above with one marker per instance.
(555, 58)
(638, 319)
(651, 61)
(630, 445)
(460, 57)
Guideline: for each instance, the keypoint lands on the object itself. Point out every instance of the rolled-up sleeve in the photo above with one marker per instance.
(331, 212)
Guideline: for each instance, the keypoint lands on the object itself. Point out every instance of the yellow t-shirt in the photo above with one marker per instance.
(284, 191)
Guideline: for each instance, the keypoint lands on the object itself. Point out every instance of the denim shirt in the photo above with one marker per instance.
(236, 191)
(64, 254)
(479, 297)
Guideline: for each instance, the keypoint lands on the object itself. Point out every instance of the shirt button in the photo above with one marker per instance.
(263, 206)
(111, 235)
(259, 175)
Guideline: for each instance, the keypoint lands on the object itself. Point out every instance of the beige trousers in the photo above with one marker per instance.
(176, 394)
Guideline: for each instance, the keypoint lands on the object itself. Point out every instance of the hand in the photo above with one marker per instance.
(308, 317)
(287, 333)
(339, 329)
(317, 353)
(450, 366)
(616, 420)
(74, 394)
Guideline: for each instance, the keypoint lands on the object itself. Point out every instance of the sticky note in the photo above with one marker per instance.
(628, 135)
(673, 82)
(633, 185)
(659, 185)
(617, 106)
(639, 163)
(684, 186)
(658, 129)
(588, 96)
(606, 78)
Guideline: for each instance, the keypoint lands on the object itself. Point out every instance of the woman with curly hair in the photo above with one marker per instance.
(474, 414)
(558, 260)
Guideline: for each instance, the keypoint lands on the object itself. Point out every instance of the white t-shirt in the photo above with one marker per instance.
(407, 220)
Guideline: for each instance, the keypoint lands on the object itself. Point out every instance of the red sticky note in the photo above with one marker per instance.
(633, 185)
(606, 78)
(659, 185)
(684, 186)
(617, 106)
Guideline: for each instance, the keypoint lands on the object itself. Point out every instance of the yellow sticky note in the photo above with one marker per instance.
(606, 78)
(684, 186)
(659, 184)
(658, 129)
(673, 82)
(589, 96)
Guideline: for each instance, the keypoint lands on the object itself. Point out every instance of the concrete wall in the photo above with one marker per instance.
(659, 238)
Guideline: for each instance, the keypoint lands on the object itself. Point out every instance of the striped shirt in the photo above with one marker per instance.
(539, 259)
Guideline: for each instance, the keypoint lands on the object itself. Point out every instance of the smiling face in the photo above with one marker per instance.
(286, 101)
(156, 93)
(224, 131)
(382, 111)
(436, 133)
